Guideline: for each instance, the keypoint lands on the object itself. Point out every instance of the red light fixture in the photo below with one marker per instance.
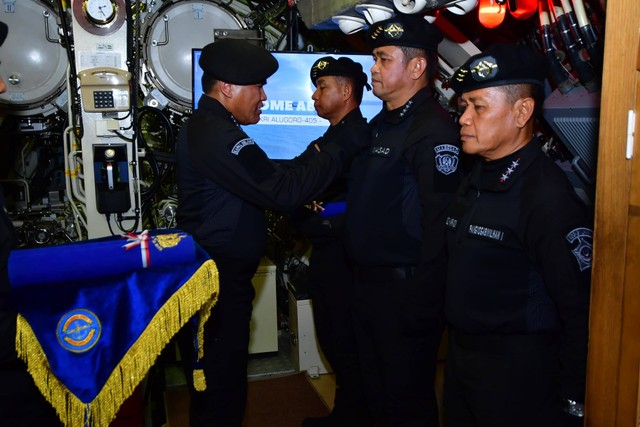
(523, 9)
(491, 13)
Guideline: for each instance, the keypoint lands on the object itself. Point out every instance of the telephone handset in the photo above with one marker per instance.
(105, 89)
(111, 178)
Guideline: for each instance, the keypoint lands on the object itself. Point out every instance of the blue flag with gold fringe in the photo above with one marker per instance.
(94, 316)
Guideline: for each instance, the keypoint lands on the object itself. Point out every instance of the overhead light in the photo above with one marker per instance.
(418, 6)
(523, 9)
(349, 22)
(376, 10)
(463, 7)
(491, 12)
(431, 16)
(410, 6)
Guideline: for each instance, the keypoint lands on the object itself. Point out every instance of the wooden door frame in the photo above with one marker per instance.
(614, 348)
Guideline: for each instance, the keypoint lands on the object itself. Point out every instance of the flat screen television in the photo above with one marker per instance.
(289, 122)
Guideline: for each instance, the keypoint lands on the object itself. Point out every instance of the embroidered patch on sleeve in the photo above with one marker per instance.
(252, 159)
(446, 158)
(238, 146)
(581, 240)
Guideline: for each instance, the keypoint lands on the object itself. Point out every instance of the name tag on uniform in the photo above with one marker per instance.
(380, 151)
(451, 223)
(486, 232)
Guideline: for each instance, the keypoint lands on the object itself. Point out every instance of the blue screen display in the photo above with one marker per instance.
(289, 122)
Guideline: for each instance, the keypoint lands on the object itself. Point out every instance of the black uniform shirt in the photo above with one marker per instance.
(519, 245)
(317, 226)
(225, 180)
(402, 186)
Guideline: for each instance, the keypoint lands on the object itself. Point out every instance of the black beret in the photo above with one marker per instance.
(404, 30)
(3, 32)
(237, 61)
(346, 67)
(501, 64)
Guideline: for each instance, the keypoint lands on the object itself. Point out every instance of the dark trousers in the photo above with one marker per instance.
(502, 381)
(332, 292)
(398, 358)
(21, 403)
(226, 348)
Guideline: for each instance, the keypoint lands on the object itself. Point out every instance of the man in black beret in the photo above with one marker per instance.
(340, 67)
(237, 62)
(340, 84)
(395, 224)
(225, 181)
(519, 243)
(21, 403)
(406, 31)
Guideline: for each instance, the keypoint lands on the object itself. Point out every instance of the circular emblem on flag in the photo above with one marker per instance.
(78, 330)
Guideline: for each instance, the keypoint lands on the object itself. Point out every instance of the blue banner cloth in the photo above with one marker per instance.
(332, 209)
(99, 257)
(97, 328)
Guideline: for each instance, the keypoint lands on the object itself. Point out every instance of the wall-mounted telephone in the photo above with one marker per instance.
(112, 178)
(105, 89)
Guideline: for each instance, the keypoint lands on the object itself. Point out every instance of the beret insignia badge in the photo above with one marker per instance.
(483, 68)
(321, 65)
(460, 74)
(394, 30)
(376, 32)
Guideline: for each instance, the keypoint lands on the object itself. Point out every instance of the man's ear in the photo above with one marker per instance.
(227, 89)
(347, 91)
(418, 66)
(524, 108)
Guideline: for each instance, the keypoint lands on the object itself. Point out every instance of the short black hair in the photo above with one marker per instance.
(525, 90)
(357, 89)
(207, 82)
(4, 30)
(432, 59)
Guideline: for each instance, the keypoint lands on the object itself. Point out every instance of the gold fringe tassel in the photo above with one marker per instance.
(199, 381)
(197, 296)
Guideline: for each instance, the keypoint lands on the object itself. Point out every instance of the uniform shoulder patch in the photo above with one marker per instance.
(581, 241)
(252, 159)
(446, 158)
(236, 147)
